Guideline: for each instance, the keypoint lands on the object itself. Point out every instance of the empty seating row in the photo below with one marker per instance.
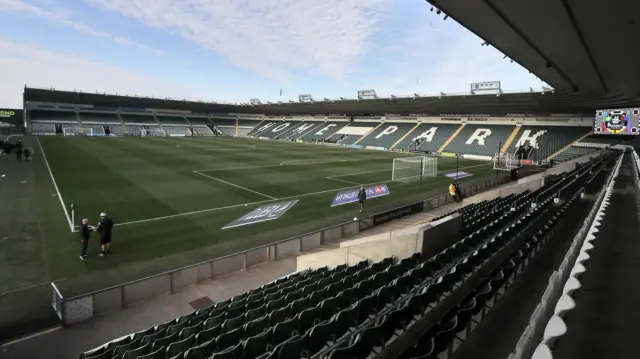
(330, 299)
(574, 152)
(589, 265)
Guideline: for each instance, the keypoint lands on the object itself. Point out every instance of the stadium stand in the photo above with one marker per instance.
(245, 126)
(573, 152)
(484, 140)
(593, 316)
(428, 302)
(323, 130)
(546, 140)
(387, 134)
(145, 119)
(226, 125)
(606, 140)
(276, 129)
(430, 136)
(46, 121)
(101, 119)
(352, 138)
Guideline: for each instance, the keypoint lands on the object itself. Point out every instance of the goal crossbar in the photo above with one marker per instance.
(408, 169)
(77, 131)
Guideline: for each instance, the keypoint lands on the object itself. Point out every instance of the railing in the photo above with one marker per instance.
(86, 306)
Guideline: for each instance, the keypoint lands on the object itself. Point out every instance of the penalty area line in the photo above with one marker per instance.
(234, 185)
(55, 186)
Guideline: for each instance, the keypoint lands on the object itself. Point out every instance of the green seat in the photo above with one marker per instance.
(139, 351)
(202, 351)
(188, 331)
(208, 334)
(120, 350)
(176, 348)
(214, 321)
(158, 354)
(256, 327)
(234, 352)
(229, 339)
(142, 334)
(106, 354)
(233, 323)
(256, 345)
(155, 336)
(176, 328)
(163, 342)
(291, 349)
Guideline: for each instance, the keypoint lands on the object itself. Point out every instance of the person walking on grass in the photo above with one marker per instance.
(362, 196)
(85, 235)
(104, 228)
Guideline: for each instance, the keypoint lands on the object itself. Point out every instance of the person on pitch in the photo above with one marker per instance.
(104, 228)
(85, 235)
(362, 196)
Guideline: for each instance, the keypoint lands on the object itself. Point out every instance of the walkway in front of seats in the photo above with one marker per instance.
(67, 343)
(604, 323)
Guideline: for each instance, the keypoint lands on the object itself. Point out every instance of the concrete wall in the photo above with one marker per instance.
(401, 246)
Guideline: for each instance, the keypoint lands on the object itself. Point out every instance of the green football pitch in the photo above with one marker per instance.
(170, 197)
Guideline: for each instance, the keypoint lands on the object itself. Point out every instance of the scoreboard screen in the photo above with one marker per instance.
(622, 121)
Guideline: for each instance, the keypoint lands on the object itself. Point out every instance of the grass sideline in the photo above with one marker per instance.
(170, 197)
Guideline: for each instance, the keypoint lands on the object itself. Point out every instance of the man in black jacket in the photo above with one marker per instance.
(104, 228)
(85, 234)
(362, 196)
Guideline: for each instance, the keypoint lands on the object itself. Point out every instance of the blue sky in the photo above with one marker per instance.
(234, 50)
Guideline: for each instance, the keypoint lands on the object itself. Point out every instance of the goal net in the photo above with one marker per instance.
(409, 169)
(505, 161)
(77, 131)
(153, 132)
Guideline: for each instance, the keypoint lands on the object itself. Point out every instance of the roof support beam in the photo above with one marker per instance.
(528, 41)
(583, 42)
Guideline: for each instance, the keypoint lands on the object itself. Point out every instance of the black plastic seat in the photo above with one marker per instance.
(256, 313)
(181, 346)
(166, 341)
(159, 353)
(291, 349)
(319, 335)
(120, 350)
(201, 351)
(188, 331)
(229, 339)
(308, 318)
(155, 336)
(233, 323)
(206, 335)
(284, 330)
(139, 351)
(234, 352)
(256, 326)
(256, 345)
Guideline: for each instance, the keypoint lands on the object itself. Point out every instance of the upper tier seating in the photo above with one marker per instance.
(99, 117)
(53, 116)
(350, 311)
(172, 120)
(138, 118)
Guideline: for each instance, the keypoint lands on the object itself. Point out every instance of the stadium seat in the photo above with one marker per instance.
(137, 352)
(256, 345)
(232, 352)
(292, 348)
(159, 353)
(201, 351)
(180, 347)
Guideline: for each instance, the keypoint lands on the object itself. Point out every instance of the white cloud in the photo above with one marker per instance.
(438, 56)
(62, 16)
(271, 38)
(37, 67)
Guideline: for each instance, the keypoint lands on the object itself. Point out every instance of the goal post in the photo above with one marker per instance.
(408, 169)
(156, 132)
(77, 131)
(505, 161)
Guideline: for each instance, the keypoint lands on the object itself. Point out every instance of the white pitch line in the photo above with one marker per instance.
(339, 180)
(234, 185)
(55, 186)
(290, 164)
(250, 203)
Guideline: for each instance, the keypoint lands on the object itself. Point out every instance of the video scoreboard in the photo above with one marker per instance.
(622, 121)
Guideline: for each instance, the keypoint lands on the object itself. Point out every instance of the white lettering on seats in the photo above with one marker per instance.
(387, 131)
(480, 135)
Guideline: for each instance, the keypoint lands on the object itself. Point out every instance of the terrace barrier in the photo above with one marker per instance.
(86, 306)
(77, 309)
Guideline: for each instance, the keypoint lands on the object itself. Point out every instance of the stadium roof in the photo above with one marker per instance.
(522, 103)
(576, 46)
